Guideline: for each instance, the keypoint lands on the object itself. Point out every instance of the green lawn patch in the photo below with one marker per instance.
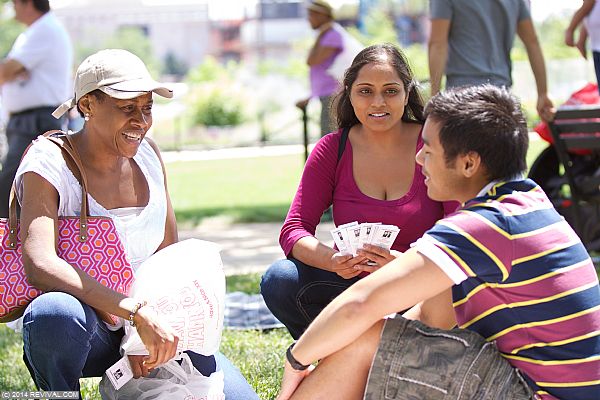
(245, 189)
(258, 189)
(258, 355)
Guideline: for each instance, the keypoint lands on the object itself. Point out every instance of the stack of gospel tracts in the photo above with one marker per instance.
(352, 236)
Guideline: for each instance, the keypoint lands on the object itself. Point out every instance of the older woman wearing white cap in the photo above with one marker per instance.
(64, 338)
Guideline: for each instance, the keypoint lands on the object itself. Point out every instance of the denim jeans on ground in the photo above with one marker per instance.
(64, 340)
(417, 362)
(296, 293)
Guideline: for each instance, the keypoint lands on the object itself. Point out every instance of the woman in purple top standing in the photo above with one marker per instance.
(376, 179)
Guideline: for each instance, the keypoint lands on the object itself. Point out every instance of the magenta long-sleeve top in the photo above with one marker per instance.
(325, 181)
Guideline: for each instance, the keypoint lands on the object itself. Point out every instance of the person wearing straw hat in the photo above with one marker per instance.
(34, 78)
(328, 45)
(64, 338)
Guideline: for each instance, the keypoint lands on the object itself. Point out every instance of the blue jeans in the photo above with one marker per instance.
(296, 293)
(64, 340)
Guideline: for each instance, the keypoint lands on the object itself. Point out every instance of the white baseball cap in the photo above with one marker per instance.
(118, 73)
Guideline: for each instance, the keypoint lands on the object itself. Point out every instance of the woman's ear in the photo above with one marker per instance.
(84, 104)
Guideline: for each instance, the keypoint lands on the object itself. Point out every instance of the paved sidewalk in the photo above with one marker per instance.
(247, 248)
(252, 151)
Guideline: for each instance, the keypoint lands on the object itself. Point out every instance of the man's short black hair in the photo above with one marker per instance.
(42, 6)
(484, 119)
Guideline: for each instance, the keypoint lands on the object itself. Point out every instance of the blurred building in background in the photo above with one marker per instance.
(177, 28)
(270, 34)
(181, 33)
(226, 41)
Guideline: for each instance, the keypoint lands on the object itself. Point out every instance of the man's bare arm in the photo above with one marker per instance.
(526, 32)
(438, 52)
(349, 315)
(436, 312)
(579, 15)
(10, 69)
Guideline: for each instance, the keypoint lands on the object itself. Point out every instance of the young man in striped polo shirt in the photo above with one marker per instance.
(505, 268)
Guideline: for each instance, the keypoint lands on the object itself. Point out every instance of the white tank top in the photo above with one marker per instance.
(141, 230)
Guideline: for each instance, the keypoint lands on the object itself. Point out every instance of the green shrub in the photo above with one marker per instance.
(216, 109)
(209, 71)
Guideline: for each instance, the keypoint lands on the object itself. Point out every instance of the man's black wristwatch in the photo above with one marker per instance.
(293, 362)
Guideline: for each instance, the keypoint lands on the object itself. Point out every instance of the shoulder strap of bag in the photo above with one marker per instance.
(342, 145)
(72, 154)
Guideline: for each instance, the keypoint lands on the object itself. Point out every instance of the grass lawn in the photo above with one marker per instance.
(259, 355)
(245, 189)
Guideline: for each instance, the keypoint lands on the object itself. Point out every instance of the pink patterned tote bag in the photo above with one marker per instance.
(91, 244)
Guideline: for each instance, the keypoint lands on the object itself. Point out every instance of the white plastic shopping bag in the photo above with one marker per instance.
(185, 284)
(343, 60)
(171, 381)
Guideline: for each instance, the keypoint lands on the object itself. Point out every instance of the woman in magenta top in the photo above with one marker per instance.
(375, 180)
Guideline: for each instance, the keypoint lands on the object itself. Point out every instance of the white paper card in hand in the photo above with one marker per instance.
(384, 236)
(353, 238)
(348, 225)
(366, 233)
(120, 373)
(340, 237)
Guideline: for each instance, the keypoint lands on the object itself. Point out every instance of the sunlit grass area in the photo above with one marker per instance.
(245, 189)
(258, 355)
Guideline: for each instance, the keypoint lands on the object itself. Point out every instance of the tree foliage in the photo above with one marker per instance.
(379, 28)
(209, 71)
(133, 39)
(551, 34)
(174, 66)
(217, 108)
(9, 29)
(214, 97)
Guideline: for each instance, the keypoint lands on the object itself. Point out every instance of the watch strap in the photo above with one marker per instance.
(298, 366)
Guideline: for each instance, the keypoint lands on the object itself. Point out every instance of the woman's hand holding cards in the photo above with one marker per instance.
(362, 247)
(345, 265)
(376, 257)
